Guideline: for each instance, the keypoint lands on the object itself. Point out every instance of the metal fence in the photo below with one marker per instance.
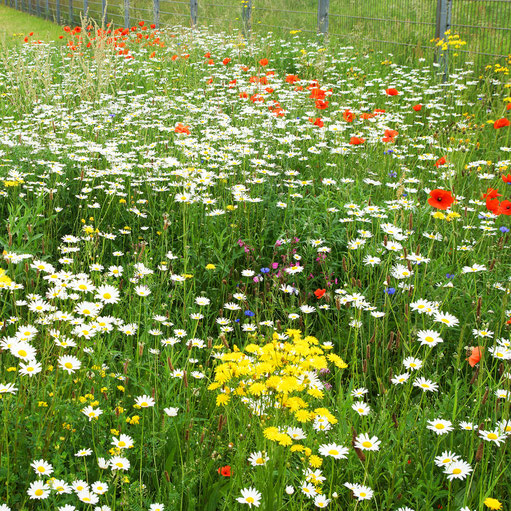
(404, 26)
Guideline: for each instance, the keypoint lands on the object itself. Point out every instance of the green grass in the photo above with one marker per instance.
(15, 25)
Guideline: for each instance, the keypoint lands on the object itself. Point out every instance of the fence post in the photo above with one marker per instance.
(194, 7)
(47, 7)
(323, 8)
(156, 8)
(127, 13)
(57, 11)
(103, 12)
(70, 12)
(443, 24)
(246, 16)
(37, 6)
(85, 9)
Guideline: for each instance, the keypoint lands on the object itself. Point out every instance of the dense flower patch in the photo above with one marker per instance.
(269, 274)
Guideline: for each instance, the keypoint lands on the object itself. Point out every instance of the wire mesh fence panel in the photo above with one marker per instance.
(298, 15)
(174, 13)
(407, 27)
(220, 14)
(485, 25)
(392, 26)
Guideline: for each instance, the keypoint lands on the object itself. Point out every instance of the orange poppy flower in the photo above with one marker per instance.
(263, 62)
(392, 92)
(501, 123)
(506, 179)
(349, 116)
(317, 122)
(357, 140)
(321, 105)
(390, 135)
(292, 78)
(417, 108)
(319, 293)
(440, 161)
(440, 199)
(181, 128)
(476, 356)
(317, 93)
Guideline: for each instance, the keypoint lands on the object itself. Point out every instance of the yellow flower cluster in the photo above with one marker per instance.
(4, 279)
(450, 41)
(284, 372)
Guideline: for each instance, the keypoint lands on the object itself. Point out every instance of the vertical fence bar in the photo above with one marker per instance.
(16, 4)
(246, 16)
(103, 12)
(37, 7)
(47, 9)
(194, 7)
(70, 12)
(156, 9)
(323, 8)
(443, 24)
(85, 8)
(57, 11)
(127, 13)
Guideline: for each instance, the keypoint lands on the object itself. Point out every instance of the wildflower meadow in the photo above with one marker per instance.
(265, 272)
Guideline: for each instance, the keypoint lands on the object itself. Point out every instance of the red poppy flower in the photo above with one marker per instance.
(366, 115)
(319, 293)
(207, 55)
(505, 207)
(348, 116)
(321, 105)
(317, 93)
(243, 95)
(440, 161)
(417, 108)
(493, 205)
(292, 78)
(392, 92)
(357, 140)
(491, 193)
(508, 107)
(153, 26)
(476, 356)
(507, 179)
(317, 122)
(226, 61)
(181, 128)
(390, 135)
(501, 123)
(263, 62)
(440, 199)
(379, 111)
(140, 23)
(225, 471)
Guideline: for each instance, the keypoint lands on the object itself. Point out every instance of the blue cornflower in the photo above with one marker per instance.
(503, 229)
(390, 290)
(249, 314)
(265, 270)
